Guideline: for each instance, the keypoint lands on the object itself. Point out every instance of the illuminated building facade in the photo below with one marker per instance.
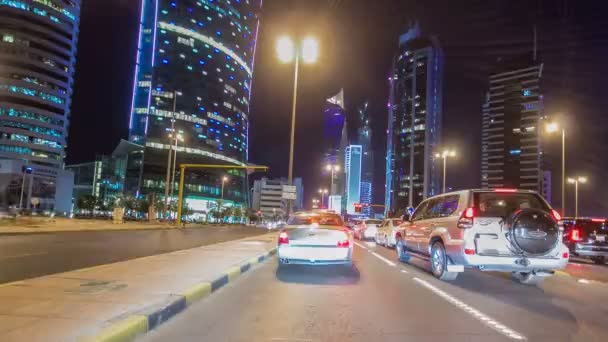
(364, 138)
(193, 74)
(37, 60)
(352, 167)
(414, 122)
(511, 154)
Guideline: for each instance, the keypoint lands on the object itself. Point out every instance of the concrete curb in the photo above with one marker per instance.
(105, 230)
(127, 329)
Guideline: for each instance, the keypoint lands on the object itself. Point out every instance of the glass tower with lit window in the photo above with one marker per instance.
(37, 59)
(193, 75)
(511, 154)
(414, 121)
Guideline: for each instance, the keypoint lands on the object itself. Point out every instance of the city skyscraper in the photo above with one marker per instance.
(364, 138)
(37, 60)
(414, 121)
(193, 76)
(352, 166)
(511, 154)
(334, 117)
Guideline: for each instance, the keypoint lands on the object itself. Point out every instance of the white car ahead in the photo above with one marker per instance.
(366, 229)
(387, 232)
(315, 239)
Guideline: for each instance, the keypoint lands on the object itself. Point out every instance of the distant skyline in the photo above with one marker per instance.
(359, 41)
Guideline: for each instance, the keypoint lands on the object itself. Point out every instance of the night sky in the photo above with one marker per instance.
(359, 39)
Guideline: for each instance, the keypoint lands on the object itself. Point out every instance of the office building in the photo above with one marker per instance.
(106, 177)
(414, 121)
(364, 138)
(352, 167)
(267, 197)
(194, 68)
(511, 153)
(37, 59)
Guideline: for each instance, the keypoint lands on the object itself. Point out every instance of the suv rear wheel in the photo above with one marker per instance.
(402, 255)
(528, 278)
(439, 263)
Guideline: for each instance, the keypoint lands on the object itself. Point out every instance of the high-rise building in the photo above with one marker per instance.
(414, 121)
(194, 70)
(352, 167)
(37, 59)
(364, 138)
(334, 122)
(511, 153)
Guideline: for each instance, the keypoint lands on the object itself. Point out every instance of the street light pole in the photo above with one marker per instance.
(174, 166)
(444, 155)
(445, 161)
(224, 179)
(293, 127)
(564, 171)
(169, 156)
(576, 181)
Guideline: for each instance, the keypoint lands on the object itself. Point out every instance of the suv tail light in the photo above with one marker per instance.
(575, 235)
(466, 220)
(343, 244)
(283, 238)
(556, 215)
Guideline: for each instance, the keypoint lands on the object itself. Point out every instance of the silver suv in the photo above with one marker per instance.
(505, 230)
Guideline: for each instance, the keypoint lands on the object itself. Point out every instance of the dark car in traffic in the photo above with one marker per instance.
(587, 238)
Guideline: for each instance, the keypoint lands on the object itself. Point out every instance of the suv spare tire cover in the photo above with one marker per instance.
(532, 231)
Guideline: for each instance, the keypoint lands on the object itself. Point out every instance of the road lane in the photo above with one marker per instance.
(25, 256)
(371, 301)
(562, 309)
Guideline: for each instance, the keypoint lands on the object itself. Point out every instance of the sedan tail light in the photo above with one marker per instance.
(343, 243)
(283, 238)
(556, 215)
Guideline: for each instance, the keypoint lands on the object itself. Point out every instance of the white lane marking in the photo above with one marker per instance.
(390, 263)
(473, 312)
(22, 255)
(360, 245)
(404, 271)
(370, 244)
(584, 281)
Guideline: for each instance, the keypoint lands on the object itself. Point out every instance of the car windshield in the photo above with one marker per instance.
(373, 222)
(502, 204)
(322, 220)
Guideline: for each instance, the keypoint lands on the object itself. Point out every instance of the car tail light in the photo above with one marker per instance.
(565, 255)
(505, 190)
(556, 215)
(466, 220)
(599, 220)
(283, 238)
(343, 244)
(575, 235)
(469, 251)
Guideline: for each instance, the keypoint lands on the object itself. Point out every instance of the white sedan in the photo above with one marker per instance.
(367, 229)
(315, 239)
(387, 232)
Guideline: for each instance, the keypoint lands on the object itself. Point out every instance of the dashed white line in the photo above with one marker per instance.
(390, 263)
(360, 245)
(473, 312)
(404, 271)
(370, 244)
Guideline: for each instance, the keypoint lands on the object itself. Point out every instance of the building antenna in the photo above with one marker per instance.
(534, 43)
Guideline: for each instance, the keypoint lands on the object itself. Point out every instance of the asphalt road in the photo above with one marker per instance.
(25, 256)
(381, 299)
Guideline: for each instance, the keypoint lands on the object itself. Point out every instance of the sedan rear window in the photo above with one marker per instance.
(322, 220)
(496, 204)
(373, 222)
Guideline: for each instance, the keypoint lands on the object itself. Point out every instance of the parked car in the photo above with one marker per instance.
(586, 238)
(504, 230)
(315, 239)
(386, 233)
(366, 229)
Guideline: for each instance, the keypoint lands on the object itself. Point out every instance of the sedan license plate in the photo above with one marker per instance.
(600, 238)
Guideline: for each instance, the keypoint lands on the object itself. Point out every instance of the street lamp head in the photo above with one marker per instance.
(552, 127)
(582, 180)
(437, 155)
(224, 179)
(285, 49)
(571, 180)
(452, 153)
(336, 167)
(310, 50)
(328, 167)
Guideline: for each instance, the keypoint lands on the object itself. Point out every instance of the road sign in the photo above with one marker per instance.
(289, 195)
(289, 188)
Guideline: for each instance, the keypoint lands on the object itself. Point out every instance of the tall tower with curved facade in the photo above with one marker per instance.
(194, 70)
(37, 59)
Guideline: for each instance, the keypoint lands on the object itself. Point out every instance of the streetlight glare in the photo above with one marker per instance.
(571, 180)
(285, 49)
(582, 179)
(310, 50)
(552, 127)
(225, 179)
(328, 167)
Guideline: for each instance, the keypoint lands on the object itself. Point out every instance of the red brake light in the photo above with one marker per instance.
(575, 235)
(565, 255)
(469, 251)
(556, 215)
(343, 243)
(504, 190)
(283, 238)
(598, 220)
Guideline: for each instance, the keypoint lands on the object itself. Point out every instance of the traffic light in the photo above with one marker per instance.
(358, 207)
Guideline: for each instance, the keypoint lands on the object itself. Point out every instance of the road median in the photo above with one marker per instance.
(119, 301)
